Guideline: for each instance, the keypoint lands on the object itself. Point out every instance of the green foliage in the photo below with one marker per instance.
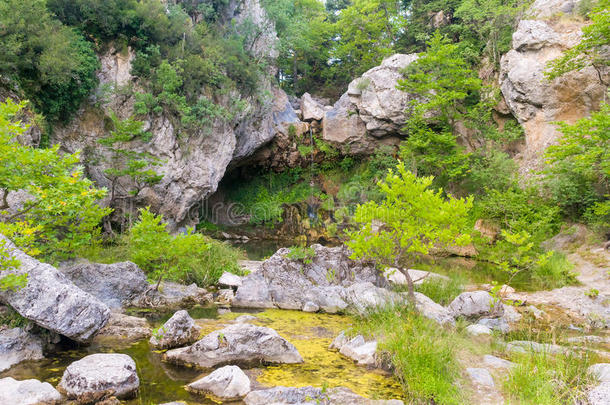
(545, 379)
(440, 290)
(53, 64)
(10, 281)
(578, 174)
(186, 258)
(413, 218)
(302, 254)
(12, 319)
(62, 203)
(422, 354)
(591, 49)
(125, 162)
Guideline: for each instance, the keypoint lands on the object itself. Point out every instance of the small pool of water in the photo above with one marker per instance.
(262, 249)
(163, 382)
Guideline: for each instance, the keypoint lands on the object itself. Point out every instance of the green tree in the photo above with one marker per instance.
(592, 49)
(61, 202)
(579, 167)
(410, 221)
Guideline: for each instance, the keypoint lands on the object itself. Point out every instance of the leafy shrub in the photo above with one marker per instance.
(302, 254)
(440, 290)
(186, 258)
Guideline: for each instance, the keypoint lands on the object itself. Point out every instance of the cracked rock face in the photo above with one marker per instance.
(536, 102)
(241, 343)
(101, 374)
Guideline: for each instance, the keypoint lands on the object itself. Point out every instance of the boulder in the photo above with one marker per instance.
(100, 375)
(311, 395)
(116, 284)
(124, 328)
(311, 110)
(27, 392)
(536, 102)
(240, 343)
(179, 330)
(344, 128)
(395, 276)
(174, 295)
(480, 376)
(380, 105)
(474, 304)
(332, 281)
(599, 395)
(497, 362)
(225, 297)
(225, 383)
(357, 348)
(229, 280)
(432, 310)
(497, 324)
(525, 346)
(52, 301)
(17, 345)
(601, 371)
(478, 329)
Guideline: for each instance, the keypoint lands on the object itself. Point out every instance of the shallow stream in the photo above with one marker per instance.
(162, 382)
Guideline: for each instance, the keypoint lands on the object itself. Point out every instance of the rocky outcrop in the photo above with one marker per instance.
(17, 345)
(179, 330)
(311, 395)
(52, 301)
(241, 343)
(116, 284)
(380, 105)
(534, 101)
(433, 311)
(331, 281)
(173, 295)
(475, 304)
(311, 110)
(229, 280)
(100, 375)
(124, 329)
(27, 392)
(226, 383)
(357, 348)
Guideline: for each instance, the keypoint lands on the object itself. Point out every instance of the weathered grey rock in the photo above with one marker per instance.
(52, 301)
(125, 328)
(225, 296)
(357, 348)
(311, 109)
(497, 362)
(600, 395)
(174, 295)
(510, 314)
(229, 280)
(432, 310)
(17, 345)
(478, 329)
(480, 376)
(524, 346)
(601, 371)
(27, 392)
(535, 102)
(245, 319)
(379, 104)
(365, 297)
(497, 324)
(344, 128)
(310, 307)
(473, 304)
(330, 281)
(311, 396)
(179, 330)
(101, 373)
(240, 343)
(115, 284)
(395, 276)
(226, 383)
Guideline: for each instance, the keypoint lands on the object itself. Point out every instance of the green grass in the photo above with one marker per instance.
(555, 273)
(422, 353)
(440, 290)
(544, 379)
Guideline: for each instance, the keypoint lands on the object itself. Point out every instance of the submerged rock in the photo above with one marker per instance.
(240, 343)
(116, 284)
(27, 392)
(311, 395)
(52, 301)
(356, 348)
(17, 345)
(474, 304)
(225, 383)
(178, 331)
(100, 375)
